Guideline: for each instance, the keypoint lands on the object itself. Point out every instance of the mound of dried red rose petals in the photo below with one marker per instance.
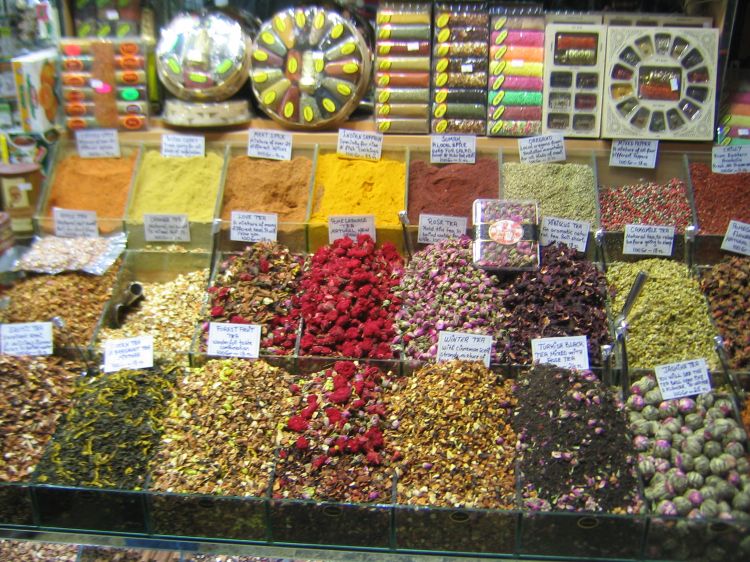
(256, 287)
(332, 443)
(346, 300)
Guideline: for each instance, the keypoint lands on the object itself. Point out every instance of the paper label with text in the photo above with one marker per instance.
(730, 159)
(26, 338)
(274, 145)
(567, 352)
(686, 378)
(544, 148)
(573, 233)
(166, 228)
(467, 347)
(98, 143)
(453, 149)
(648, 240)
(128, 353)
(357, 144)
(253, 227)
(183, 146)
(634, 153)
(342, 226)
(434, 228)
(234, 340)
(70, 223)
(737, 238)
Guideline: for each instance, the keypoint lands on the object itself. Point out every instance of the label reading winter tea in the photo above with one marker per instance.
(467, 347)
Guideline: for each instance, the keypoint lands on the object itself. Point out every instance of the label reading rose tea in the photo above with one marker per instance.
(234, 340)
(467, 347)
(453, 149)
(634, 153)
(685, 378)
(254, 227)
(434, 228)
(26, 338)
(566, 352)
(737, 238)
(166, 228)
(648, 240)
(128, 353)
(570, 232)
(352, 226)
(274, 145)
(98, 143)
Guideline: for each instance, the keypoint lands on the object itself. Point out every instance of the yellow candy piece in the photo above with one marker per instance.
(344, 90)
(329, 105)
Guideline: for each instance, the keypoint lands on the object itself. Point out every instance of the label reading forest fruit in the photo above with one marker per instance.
(234, 340)
(463, 346)
(128, 353)
(26, 338)
(566, 352)
(686, 378)
(453, 149)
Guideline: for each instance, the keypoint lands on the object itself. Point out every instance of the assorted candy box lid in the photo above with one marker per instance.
(505, 235)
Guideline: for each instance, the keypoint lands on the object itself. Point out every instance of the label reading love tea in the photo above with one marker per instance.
(274, 145)
(467, 347)
(356, 144)
(730, 159)
(98, 143)
(352, 226)
(686, 378)
(544, 148)
(234, 340)
(166, 228)
(128, 353)
(570, 232)
(634, 153)
(737, 238)
(453, 149)
(434, 228)
(253, 227)
(70, 223)
(183, 146)
(26, 338)
(648, 240)
(566, 352)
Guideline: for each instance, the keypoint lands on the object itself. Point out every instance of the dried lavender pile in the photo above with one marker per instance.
(442, 290)
(567, 296)
(219, 429)
(34, 393)
(691, 452)
(107, 438)
(727, 286)
(450, 423)
(574, 442)
(256, 287)
(332, 446)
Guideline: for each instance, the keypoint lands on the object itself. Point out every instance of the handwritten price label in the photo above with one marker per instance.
(274, 145)
(26, 338)
(737, 238)
(648, 240)
(234, 340)
(544, 148)
(70, 223)
(350, 225)
(183, 146)
(567, 352)
(254, 227)
(634, 153)
(128, 353)
(98, 143)
(686, 378)
(453, 149)
(570, 232)
(434, 228)
(356, 144)
(464, 346)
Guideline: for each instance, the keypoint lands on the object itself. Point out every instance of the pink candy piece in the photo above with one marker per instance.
(525, 83)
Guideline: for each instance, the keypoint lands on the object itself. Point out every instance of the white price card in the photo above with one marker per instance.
(70, 223)
(166, 228)
(98, 143)
(453, 149)
(274, 145)
(634, 153)
(648, 240)
(573, 233)
(686, 378)
(253, 227)
(234, 340)
(358, 144)
(434, 228)
(544, 148)
(341, 226)
(567, 352)
(730, 159)
(183, 146)
(737, 238)
(464, 346)
(128, 353)
(26, 338)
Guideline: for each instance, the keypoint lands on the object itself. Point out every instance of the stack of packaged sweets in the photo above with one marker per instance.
(459, 68)
(516, 72)
(402, 80)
